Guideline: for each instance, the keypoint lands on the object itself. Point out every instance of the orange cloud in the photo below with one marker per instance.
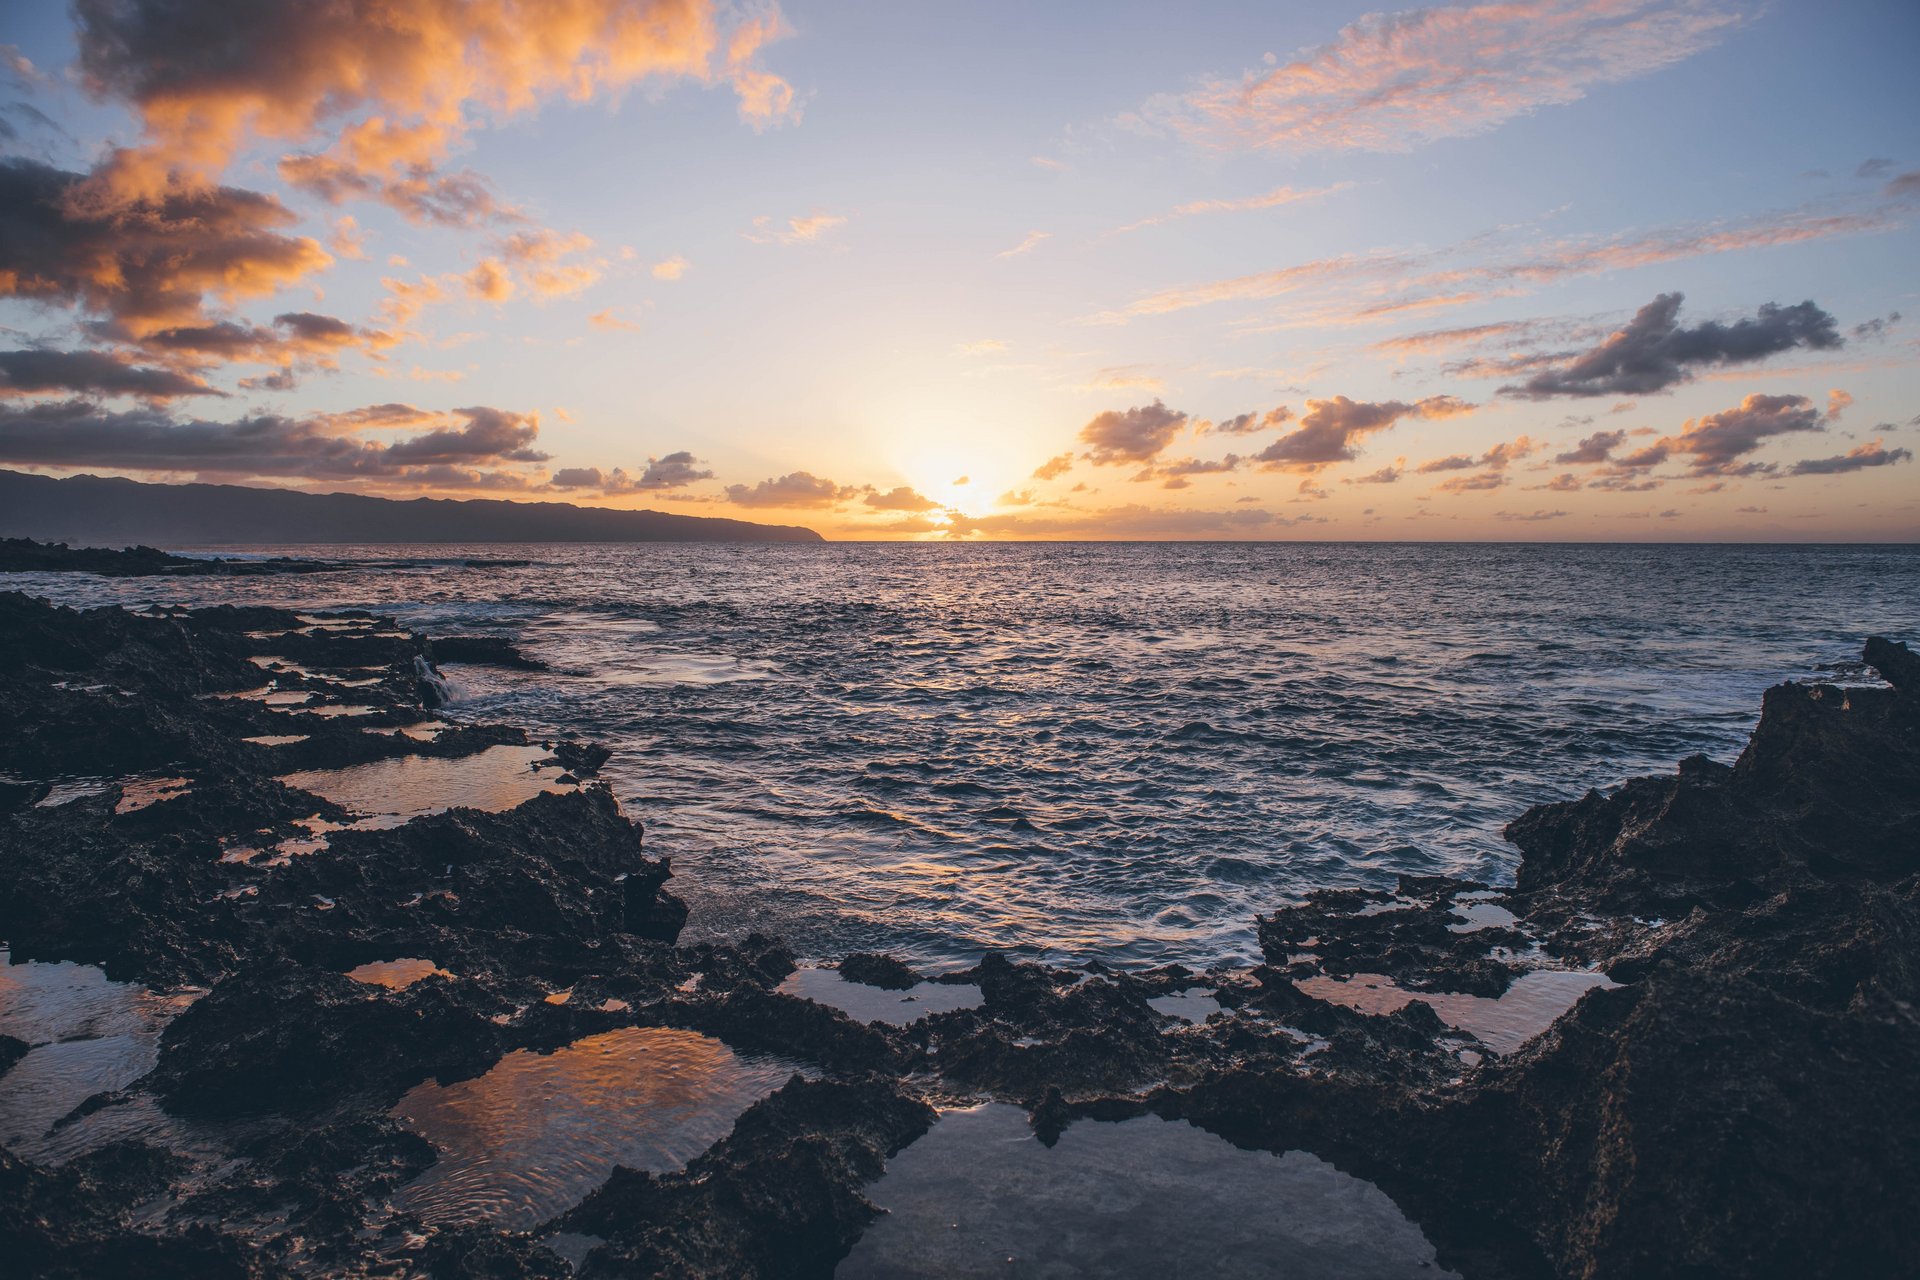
(608, 320)
(400, 84)
(1026, 245)
(489, 281)
(148, 267)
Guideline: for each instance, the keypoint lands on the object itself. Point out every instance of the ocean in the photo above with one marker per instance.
(1113, 752)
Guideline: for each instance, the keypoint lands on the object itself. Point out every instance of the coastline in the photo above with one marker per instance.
(1705, 1114)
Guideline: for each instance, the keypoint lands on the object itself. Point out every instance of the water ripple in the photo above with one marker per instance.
(1121, 751)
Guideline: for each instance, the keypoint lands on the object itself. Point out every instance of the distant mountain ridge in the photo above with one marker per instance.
(113, 512)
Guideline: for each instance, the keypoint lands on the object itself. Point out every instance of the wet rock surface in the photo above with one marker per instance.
(1739, 1099)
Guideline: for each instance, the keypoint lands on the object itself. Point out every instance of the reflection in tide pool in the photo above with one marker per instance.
(980, 1196)
(496, 779)
(1522, 1011)
(396, 975)
(1195, 1004)
(530, 1138)
(877, 1004)
(90, 1036)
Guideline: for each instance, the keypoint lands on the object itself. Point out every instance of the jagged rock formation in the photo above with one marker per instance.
(1742, 1101)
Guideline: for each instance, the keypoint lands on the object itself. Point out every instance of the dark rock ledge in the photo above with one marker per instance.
(24, 555)
(1743, 1102)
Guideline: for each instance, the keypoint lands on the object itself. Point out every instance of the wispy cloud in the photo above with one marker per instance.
(1392, 82)
(796, 230)
(1123, 377)
(1871, 454)
(613, 323)
(1027, 245)
(1372, 285)
(1245, 204)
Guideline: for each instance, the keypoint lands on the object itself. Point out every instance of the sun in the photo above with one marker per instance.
(955, 477)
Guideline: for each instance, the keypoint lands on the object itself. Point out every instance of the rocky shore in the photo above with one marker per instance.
(24, 555)
(1682, 1044)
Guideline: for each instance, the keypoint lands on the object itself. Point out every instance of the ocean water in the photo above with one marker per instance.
(1111, 751)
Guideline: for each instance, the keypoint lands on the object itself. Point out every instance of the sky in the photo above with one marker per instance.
(1538, 270)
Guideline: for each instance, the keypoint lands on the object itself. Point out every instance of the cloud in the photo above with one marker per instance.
(1131, 435)
(1027, 245)
(488, 282)
(1473, 483)
(986, 346)
(1876, 327)
(1566, 482)
(799, 489)
(1055, 467)
(1132, 521)
(1871, 454)
(543, 261)
(1245, 424)
(419, 194)
(1274, 199)
(673, 471)
(1330, 429)
(1508, 451)
(1838, 402)
(348, 240)
(900, 498)
(670, 268)
(1907, 184)
(797, 231)
(1653, 352)
(75, 433)
(296, 338)
(1529, 515)
(1717, 442)
(396, 87)
(1122, 377)
(1386, 475)
(147, 266)
(609, 321)
(1435, 340)
(487, 435)
(1362, 287)
(1391, 82)
(1592, 449)
(1490, 465)
(1179, 474)
(92, 373)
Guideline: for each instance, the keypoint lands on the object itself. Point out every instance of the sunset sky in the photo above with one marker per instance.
(1580, 269)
